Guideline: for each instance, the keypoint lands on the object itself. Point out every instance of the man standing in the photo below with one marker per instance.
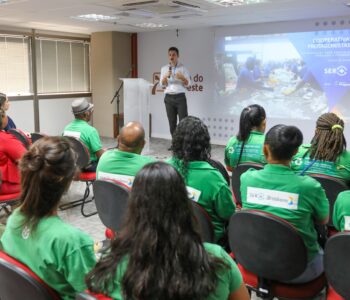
(174, 77)
(80, 129)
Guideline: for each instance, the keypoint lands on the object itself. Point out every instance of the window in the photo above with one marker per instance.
(62, 66)
(15, 66)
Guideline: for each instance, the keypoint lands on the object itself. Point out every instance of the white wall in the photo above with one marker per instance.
(22, 113)
(197, 53)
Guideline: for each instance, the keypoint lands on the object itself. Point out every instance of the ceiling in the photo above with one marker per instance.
(57, 15)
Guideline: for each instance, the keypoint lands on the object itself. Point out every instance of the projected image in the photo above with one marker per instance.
(294, 75)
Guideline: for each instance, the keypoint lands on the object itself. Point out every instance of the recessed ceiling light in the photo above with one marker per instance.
(95, 17)
(227, 3)
(150, 25)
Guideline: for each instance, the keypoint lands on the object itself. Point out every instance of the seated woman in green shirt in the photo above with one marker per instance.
(205, 184)
(327, 154)
(276, 189)
(247, 145)
(158, 253)
(341, 212)
(58, 253)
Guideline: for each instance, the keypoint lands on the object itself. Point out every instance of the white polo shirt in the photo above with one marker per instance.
(175, 86)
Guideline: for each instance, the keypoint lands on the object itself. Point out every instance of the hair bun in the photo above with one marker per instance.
(36, 163)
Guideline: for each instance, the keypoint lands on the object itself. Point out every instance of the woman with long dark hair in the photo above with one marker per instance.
(11, 150)
(5, 105)
(276, 189)
(206, 185)
(58, 253)
(159, 253)
(247, 145)
(327, 152)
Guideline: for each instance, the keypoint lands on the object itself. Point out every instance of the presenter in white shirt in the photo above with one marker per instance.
(175, 78)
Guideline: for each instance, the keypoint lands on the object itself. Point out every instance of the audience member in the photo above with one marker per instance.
(122, 164)
(158, 253)
(11, 151)
(247, 145)
(80, 129)
(327, 152)
(205, 184)
(276, 189)
(58, 253)
(341, 212)
(5, 105)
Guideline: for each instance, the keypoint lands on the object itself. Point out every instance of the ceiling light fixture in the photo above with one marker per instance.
(227, 3)
(95, 18)
(150, 25)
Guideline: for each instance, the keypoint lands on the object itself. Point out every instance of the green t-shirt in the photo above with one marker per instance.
(338, 169)
(208, 187)
(252, 150)
(122, 166)
(229, 280)
(81, 129)
(341, 212)
(297, 199)
(58, 253)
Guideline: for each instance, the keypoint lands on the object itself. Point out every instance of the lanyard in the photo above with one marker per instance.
(174, 70)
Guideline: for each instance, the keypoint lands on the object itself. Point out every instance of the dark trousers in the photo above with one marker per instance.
(175, 105)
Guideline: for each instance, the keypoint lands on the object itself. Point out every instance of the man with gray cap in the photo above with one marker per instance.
(82, 130)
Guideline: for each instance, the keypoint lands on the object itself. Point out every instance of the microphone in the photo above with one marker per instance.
(169, 70)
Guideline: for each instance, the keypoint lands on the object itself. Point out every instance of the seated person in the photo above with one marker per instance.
(276, 189)
(158, 253)
(327, 153)
(80, 129)
(58, 253)
(247, 145)
(122, 164)
(341, 212)
(11, 150)
(205, 184)
(5, 105)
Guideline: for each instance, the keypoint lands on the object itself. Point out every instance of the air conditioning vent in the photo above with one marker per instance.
(140, 3)
(186, 4)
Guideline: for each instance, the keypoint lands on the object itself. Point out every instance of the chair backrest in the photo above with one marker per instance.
(332, 187)
(18, 282)
(206, 228)
(337, 263)
(221, 168)
(36, 136)
(111, 200)
(236, 178)
(266, 245)
(81, 150)
(21, 136)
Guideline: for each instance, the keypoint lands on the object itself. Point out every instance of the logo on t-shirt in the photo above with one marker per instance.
(347, 223)
(25, 232)
(272, 198)
(193, 194)
(125, 179)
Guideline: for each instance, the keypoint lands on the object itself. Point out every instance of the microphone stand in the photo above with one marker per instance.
(117, 95)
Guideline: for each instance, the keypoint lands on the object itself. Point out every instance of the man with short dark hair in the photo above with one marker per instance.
(123, 164)
(175, 78)
(82, 130)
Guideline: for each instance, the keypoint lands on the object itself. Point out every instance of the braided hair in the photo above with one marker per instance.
(329, 141)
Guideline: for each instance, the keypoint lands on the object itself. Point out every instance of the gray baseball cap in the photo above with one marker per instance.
(80, 106)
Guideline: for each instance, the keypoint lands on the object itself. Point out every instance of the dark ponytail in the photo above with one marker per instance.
(283, 141)
(251, 116)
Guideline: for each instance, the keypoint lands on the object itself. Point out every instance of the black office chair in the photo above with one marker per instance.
(87, 177)
(36, 136)
(337, 263)
(332, 187)
(21, 136)
(221, 168)
(18, 282)
(269, 250)
(236, 178)
(206, 228)
(111, 200)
